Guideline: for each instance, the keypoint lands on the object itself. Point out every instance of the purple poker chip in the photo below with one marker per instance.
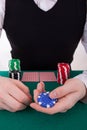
(45, 101)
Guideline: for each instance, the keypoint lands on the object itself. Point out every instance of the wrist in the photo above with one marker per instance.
(77, 86)
(84, 90)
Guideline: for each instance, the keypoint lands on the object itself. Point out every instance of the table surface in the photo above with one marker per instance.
(73, 119)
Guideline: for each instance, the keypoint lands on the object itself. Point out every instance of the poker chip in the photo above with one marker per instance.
(15, 75)
(63, 72)
(14, 69)
(14, 65)
(45, 101)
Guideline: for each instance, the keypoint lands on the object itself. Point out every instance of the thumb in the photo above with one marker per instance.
(61, 91)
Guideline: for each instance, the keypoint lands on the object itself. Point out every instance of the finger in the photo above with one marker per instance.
(50, 111)
(4, 107)
(64, 111)
(66, 103)
(23, 87)
(41, 87)
(42, 109)
(10, 104)
(62, 105)
(19, 95)
(36, 93)
(61, 91)
(39, 108)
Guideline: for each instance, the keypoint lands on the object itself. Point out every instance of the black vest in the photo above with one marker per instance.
(42, 39)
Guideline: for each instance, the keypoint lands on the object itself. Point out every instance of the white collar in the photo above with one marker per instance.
(45, 5)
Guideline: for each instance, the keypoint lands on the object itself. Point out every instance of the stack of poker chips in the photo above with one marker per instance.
(63, 72)
(14, 69)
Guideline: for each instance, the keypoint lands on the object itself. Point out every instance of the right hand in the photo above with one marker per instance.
(14, 95)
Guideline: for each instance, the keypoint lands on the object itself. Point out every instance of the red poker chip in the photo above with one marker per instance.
(63, 72)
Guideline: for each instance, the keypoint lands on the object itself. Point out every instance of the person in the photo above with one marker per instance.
(43, 33)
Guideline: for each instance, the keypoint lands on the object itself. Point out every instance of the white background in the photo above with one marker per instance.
(79, 62)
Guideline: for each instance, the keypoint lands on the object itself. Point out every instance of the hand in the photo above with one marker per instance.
(14, 95)
(68, 95)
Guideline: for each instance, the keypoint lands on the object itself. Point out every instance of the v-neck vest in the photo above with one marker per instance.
(42, 39)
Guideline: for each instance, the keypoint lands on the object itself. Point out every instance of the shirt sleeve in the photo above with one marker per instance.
(2, 13)
(83, 76)
(84, 37)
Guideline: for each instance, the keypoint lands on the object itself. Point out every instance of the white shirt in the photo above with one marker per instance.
(46, 5)
(2, 13)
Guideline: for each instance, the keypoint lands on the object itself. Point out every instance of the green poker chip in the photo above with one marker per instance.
(14, 65)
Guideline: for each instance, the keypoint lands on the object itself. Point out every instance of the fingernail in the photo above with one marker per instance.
(42, 83)
(38, 84)
(53, 95)
(29, 95)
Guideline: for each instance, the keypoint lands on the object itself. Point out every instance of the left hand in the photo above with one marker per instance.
(68, 95)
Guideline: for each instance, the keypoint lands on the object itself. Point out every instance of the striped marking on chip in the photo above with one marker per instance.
(63, 72)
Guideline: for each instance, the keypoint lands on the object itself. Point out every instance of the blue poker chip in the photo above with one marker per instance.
(45, 101)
